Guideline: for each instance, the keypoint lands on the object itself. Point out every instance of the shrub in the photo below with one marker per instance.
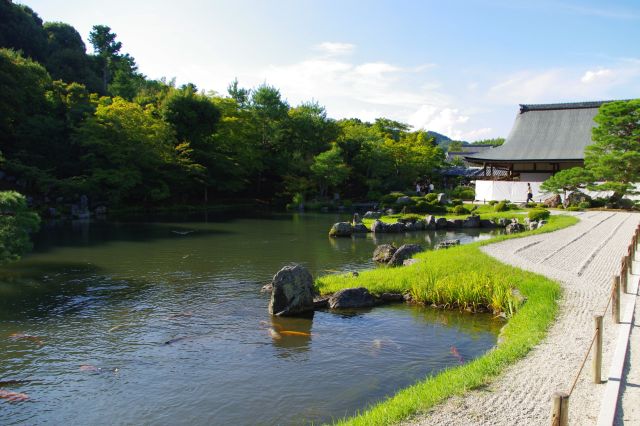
(502, 206)
(584, 205)
(460, 210)
(493, 202)
(539, 214)
(391, 198)
(425, 207)
(598, 202)
(456, 202)
(431, 197)
(574, 209)
(464, 192)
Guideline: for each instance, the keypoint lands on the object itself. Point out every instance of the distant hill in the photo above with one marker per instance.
(442, 140)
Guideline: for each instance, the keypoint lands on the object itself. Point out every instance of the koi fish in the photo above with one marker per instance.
(176, 340)
(456, 354)
(13, 382)
(13, 396)
(274, 334)
(90, 368)
(294, 333)
(116, 327)
(186, 314)
(22, 336)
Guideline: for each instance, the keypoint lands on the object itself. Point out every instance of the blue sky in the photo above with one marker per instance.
(456, 67)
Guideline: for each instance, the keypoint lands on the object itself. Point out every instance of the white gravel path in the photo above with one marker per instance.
(583, 258)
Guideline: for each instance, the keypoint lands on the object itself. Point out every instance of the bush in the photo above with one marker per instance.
(464, 192)
(539, 214)
(573, 209)
(456, 202)
(425, 207)
(584, 205)
(598, 202)
(502, 206)
(390, 198)
(460, 210)
(493, 202)
(431, 197)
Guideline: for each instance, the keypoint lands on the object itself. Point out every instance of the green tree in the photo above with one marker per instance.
(17, 222)
(329, 170)
(107, 49)
(494, 142)
(567, 180)
(614, 157)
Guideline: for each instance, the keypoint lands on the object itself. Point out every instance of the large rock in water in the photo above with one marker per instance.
(341, 229)
(472, 221)
(553, 201)
(360, 228)
(405, 252)
(292, 292)
(383, 253)
(379, 227)
(352, 298)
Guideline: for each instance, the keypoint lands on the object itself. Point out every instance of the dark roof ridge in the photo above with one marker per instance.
(566, 105)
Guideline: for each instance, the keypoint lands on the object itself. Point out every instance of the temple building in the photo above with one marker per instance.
(545, 139)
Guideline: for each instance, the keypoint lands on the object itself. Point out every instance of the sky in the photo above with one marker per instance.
(456, 67)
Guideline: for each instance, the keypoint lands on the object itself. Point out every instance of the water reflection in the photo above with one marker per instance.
(291, 335)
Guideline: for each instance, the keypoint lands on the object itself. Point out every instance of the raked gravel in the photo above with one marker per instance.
(583, 258)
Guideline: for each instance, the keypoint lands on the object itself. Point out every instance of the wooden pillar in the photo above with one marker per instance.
(597, 351)
(560, 409)
(615, 300)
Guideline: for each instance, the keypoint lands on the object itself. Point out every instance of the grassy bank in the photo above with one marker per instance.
(461, 277)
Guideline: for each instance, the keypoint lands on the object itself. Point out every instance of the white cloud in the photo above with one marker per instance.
(442, 120)
(332, 49)
(591, 76)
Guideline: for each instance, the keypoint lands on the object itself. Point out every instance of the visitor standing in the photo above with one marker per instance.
(529, 193)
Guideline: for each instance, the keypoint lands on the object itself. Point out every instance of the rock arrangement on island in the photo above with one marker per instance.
(388, 254)
(428, 223)
(291, 292)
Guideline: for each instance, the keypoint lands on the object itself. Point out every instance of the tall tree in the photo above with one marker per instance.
(107, 49)
(614, 157)
(17, 222)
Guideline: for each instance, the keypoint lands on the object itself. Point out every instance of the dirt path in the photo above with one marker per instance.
(583, 258)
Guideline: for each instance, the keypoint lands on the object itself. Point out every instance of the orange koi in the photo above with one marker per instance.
(13, 396)
(294, 333)
(456, 354)
(22, 336)
(274, 334)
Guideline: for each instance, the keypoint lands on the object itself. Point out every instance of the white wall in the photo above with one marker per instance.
(487, 190)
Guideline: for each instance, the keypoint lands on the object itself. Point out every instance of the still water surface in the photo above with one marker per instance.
(102, 300)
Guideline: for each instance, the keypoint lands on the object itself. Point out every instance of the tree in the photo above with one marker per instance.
(494, 142)
(568, 180)
(614, 157)
(329, 170)
(17, 222)
(455, 146)
(106, 48)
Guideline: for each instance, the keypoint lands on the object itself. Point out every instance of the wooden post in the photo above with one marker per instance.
(597, 354)
(623, 273)
(560, 409)
(615, 300)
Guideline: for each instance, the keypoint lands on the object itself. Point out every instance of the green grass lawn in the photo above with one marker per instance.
(461, 277)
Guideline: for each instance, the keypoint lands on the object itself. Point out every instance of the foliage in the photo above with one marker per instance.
(494, 142)
(502, 206)
(614, 157)
(459, 210)
(568, 180)
(538, 214)
(465, 193)
(329, 170)
(17, 221)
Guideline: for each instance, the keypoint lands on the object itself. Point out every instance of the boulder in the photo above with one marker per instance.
(383, 253)
(502, 222)
(447, 243)
(404, 200)
(321, 302)
(430, 220)
(405, 252)
(442, 199)
(352, 298)
(372, 215)
(541, 223)
(441, 223)
(356, 219)
(410, 226)
(472, 221)
(391, 297)
(267, 288)
(396, 227)
(486, 223)
(514, 227)
(390, 212)
(575, 198)
(533, 225)
(292, 291)
(553, 201)
(420, 225)
(341, 229)
(360, 228)
(379, 227)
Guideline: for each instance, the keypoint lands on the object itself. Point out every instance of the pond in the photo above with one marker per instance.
(164, 323)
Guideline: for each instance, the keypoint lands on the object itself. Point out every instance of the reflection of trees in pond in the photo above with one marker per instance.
(291, 335)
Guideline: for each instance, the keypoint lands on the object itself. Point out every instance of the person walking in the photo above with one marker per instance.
(529, 193)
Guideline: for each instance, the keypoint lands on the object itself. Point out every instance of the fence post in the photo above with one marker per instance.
(560, 409)
(597, 354)
(624, 273)
(615, 300)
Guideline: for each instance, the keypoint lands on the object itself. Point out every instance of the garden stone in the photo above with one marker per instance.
(533, 225)
(514, 228)
(352, 298)
(383, 253)
(391, 297)
(396, 227)
(441, 222)
(409, 262)
(403, 200)
(341, 229)
(575, 198)
(379, 227)
(553, 201)
(372, 215)
(430, 220)
(541, 223)
(356, 219)
(405, 252)
(472, 222)
(442, 198)
(292, 292)
(502, 222)
(360, 228)
(390, 211)
(486, 223)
